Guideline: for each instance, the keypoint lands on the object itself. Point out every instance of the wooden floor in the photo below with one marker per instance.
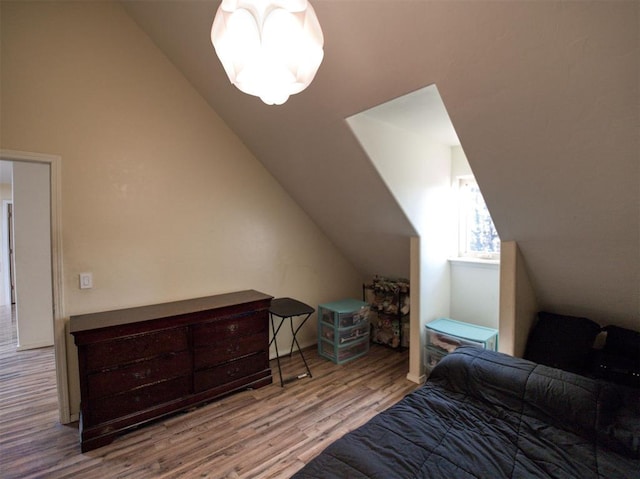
(267, 433)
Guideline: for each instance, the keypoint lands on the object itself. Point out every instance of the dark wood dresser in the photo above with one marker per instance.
(139, 364)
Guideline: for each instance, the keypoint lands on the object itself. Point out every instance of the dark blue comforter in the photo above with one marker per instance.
(483, 414)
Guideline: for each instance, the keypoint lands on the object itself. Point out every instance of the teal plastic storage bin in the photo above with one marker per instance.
(343, 330)
(444, 335)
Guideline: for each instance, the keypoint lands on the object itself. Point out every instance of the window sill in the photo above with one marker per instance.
(479, 262)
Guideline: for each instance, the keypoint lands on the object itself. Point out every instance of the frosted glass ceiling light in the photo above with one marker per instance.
(271, 49)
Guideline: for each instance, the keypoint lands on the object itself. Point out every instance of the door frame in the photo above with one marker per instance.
(57, 282)
(7, 240)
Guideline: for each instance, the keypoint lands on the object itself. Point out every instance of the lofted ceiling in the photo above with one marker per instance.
(544, 98)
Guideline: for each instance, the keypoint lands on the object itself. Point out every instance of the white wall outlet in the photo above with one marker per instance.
(86, 280)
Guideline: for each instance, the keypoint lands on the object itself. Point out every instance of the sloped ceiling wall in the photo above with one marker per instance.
(543, 96)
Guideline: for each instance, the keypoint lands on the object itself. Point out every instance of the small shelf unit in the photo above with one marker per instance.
(389, 299)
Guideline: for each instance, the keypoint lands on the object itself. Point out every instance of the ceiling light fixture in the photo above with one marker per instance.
(270, 49)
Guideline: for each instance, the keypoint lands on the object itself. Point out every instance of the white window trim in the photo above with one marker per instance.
(471, 261)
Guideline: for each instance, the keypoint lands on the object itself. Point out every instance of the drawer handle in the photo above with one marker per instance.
(233, 348)
(233, 372)
(142, 374)
(233, 328)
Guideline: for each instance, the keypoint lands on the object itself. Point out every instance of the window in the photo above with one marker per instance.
(478, 237)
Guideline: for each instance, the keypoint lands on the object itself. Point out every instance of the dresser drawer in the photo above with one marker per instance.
(105, 409)
(135, 375)
(217, 376)
(205, 334)
(107, 354)
(342, 354)
(221, 352)
(345, 335)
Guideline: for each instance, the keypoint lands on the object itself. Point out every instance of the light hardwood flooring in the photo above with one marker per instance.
(270, 432)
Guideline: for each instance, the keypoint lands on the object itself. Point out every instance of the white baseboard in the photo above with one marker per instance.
(417, 379)
(40, 344)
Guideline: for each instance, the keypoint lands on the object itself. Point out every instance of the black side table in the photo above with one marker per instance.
(288, 308)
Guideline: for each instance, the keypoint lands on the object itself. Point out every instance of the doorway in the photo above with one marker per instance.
(55, 280)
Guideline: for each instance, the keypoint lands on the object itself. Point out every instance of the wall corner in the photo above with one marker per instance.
(518, 302)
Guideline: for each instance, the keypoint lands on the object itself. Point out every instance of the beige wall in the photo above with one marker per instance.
(160, 200)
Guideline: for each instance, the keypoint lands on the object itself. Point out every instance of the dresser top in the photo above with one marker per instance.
(104, 319)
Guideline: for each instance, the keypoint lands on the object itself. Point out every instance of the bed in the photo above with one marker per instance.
(483, 414)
